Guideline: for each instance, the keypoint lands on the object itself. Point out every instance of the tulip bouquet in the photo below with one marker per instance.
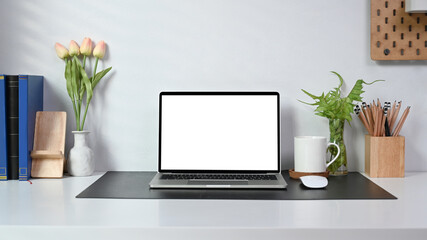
(78, 82)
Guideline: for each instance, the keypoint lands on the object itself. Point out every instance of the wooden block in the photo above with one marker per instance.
(47, 168)
(46, 154)
(384, 156)
(49, 145)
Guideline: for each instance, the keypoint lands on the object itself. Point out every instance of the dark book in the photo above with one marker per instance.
(12, 125)
(3, 133)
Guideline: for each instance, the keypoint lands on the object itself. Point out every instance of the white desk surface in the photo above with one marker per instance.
(48, 209)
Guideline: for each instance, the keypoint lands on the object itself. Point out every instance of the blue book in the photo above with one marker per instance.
(30, 101)
(3, 131)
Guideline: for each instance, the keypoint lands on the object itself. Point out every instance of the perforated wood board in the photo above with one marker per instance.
(396, 34)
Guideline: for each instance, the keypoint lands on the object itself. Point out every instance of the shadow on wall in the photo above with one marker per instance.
(287, 137)
(414, 141)
(96, 125)
(57, 102)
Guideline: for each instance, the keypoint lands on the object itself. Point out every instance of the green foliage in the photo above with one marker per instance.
(333, 106)
(68, 79)
(79, 84)
(98, 76)
(86, 82)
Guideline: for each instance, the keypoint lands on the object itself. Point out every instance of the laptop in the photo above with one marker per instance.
(219, 140)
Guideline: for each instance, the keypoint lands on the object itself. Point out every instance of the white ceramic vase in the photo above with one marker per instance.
(80, 160)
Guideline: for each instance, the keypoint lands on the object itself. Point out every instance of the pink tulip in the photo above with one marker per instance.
(61, 51)
(86, 48)
(99, 50)
(74, 48)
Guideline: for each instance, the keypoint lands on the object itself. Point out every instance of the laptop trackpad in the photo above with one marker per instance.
(216, 182)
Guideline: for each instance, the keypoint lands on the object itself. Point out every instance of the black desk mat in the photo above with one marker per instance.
(134, 185)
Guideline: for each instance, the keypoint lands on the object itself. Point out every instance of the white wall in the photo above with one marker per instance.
(209, 45)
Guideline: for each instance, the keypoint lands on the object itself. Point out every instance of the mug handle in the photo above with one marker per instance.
(336, 156)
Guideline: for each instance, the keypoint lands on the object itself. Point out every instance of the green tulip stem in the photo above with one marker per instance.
(88, 102)
(80, 101)
(94, 71)
(84, 61)
(79, 108)
(75, 114)
(84, 116)
(74, 102)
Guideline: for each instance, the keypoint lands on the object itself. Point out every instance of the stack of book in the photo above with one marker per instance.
(21, 96)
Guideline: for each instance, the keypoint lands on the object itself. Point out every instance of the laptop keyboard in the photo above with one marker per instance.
(218, 177)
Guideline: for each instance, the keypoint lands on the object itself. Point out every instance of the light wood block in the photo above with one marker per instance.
(49, 145)
(46, 154)
(384, 156)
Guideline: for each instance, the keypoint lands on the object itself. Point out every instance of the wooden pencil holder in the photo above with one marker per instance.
(385, 156)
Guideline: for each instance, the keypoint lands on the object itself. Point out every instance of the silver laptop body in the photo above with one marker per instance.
(219, 140)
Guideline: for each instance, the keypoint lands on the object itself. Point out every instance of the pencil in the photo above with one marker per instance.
(378, 121)
(375, 116)
(374, 109)
(375, 120)
(395, 114)
(383, 116)
(387, 129)
(401, 121)
(390, 115)
(368, 119)
(371, 118)
(364, 111)
(363, 119)
(386, 126)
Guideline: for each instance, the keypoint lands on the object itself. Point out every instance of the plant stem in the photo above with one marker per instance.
(94, 71)
(88, 102)
(336, 129)
(84, 61)
(75, 115)
(84, 116)
(79, 107)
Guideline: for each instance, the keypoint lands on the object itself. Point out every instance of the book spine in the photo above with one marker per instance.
(3, 131)
(30, 101)
(12, 125)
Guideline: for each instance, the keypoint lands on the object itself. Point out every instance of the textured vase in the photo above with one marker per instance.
(80, 160)
(336, 129)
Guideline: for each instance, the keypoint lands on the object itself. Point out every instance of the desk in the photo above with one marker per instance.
(48, 209)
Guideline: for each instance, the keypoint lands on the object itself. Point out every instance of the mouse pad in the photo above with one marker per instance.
(134, 185)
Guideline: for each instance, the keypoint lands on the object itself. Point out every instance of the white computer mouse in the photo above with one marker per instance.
(314, 181)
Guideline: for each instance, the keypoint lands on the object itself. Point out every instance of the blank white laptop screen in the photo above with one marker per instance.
(219, 132)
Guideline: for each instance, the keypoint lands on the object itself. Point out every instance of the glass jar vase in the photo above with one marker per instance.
(336, 129)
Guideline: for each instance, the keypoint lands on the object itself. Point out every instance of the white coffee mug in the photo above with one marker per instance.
(310, 154)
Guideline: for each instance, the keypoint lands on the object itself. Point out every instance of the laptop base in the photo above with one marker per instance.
(158, 182)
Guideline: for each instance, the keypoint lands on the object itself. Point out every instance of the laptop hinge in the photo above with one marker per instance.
(270, 173)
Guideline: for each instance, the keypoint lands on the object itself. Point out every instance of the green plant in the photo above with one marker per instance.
(78, 82)
(333, 106)
(338, 110)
